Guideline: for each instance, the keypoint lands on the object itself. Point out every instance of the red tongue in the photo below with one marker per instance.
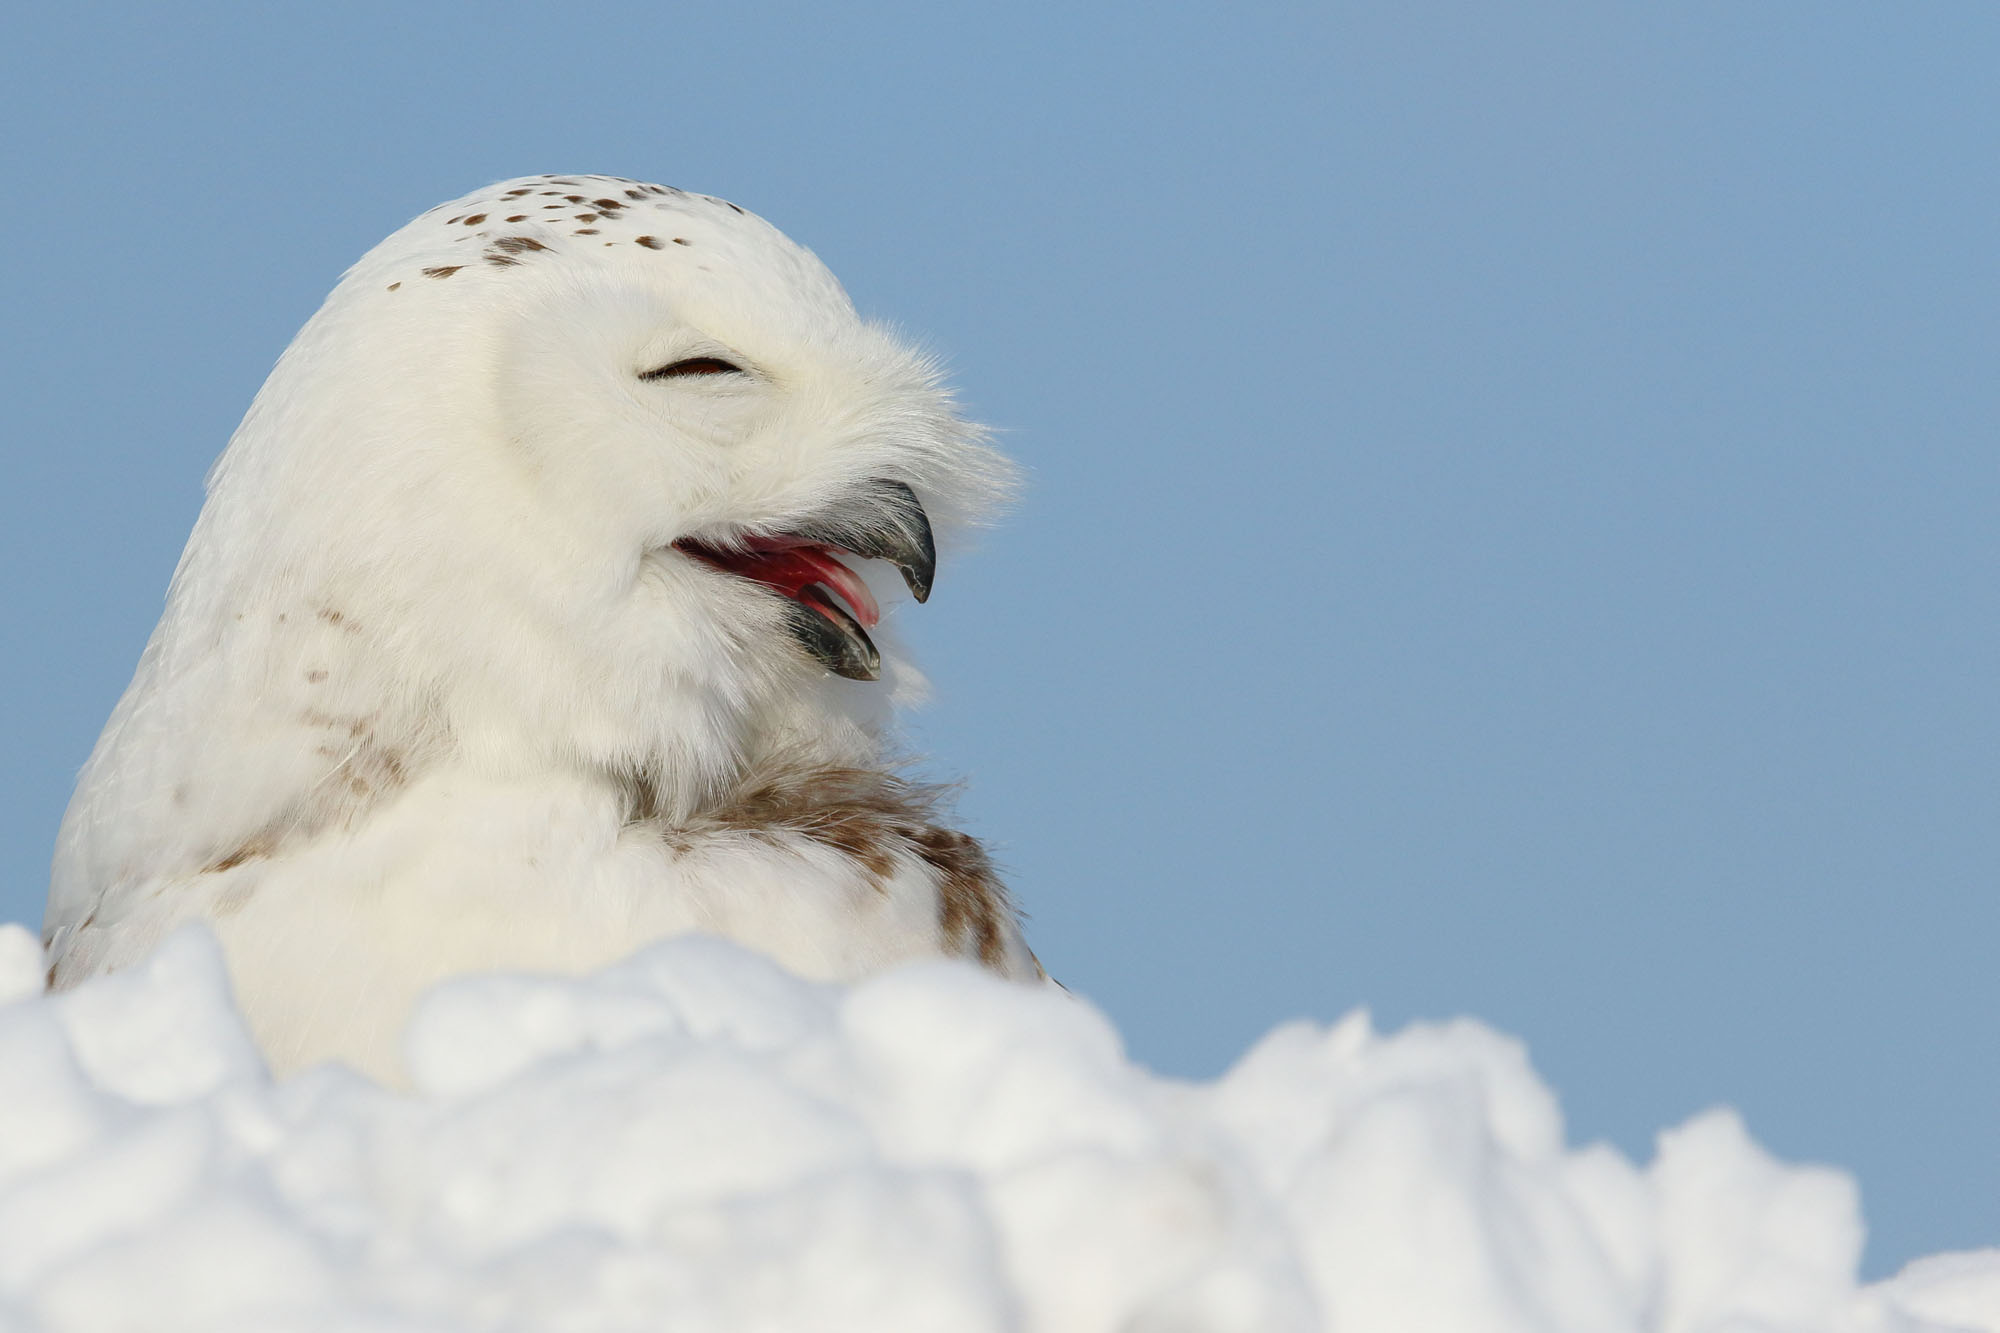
(795, 568)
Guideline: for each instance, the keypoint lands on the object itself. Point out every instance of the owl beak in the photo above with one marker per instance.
(832, 636)
(889, 524)
(832, 610)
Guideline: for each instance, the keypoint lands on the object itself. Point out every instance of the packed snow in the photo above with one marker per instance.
(694, 1139)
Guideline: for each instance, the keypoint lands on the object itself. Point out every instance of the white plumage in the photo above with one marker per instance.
(506, 638)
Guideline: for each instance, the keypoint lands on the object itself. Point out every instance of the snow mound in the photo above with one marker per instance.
(696, 1140)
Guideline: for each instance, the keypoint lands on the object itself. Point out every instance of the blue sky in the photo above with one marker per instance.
(1512, 488)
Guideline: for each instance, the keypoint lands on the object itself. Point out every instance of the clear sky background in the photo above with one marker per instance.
(1511, 522)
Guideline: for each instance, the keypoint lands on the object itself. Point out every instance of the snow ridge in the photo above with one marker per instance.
(694, 1139)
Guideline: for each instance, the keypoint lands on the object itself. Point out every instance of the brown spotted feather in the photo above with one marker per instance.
(877, 820)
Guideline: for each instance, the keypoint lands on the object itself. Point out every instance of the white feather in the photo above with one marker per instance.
(430, 627)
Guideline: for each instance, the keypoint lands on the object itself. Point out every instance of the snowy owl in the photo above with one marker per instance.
(529, 620)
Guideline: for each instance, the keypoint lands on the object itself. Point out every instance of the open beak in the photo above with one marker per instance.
(832, 609)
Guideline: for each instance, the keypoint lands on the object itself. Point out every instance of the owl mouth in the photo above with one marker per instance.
(832, 609)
